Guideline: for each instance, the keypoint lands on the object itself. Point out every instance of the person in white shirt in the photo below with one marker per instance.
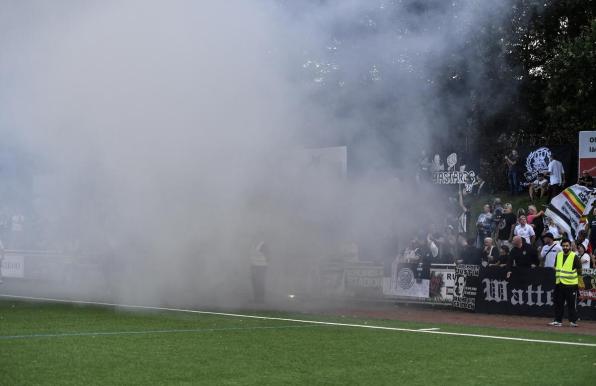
(584, 257)
(524, 230)
(556, 175)
(549, 250)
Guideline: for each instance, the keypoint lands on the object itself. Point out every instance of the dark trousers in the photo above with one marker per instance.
(258, 282)
(568, 294)
(554, 191)
(513, 182)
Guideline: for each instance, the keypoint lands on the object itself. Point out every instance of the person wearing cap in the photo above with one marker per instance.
(549, 251)
(568, 269)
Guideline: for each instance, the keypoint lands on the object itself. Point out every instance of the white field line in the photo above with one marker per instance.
(424, 331)
(429, 329)
(144, 332)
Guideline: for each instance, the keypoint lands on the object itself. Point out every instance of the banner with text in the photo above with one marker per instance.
(526, 292)
(587, 152)
(465, 286)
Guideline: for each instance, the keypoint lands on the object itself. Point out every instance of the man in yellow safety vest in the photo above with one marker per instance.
(568, 268)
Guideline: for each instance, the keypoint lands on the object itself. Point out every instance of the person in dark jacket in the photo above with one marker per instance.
(522, 255)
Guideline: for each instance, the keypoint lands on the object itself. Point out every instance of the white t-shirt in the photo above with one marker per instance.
(555, 170)
(549, 254)
(526, 232)
(585, 260)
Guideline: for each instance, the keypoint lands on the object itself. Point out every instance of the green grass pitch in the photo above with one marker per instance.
(61, 344)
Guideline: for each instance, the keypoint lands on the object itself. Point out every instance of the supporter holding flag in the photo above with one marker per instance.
(524, 230)
(549, 250)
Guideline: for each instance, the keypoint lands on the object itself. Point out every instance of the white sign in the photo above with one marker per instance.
(587, 144)
(587, 152)
(13, 266)
(405, 284)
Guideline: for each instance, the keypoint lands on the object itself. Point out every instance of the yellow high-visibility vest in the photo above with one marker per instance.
(565, 273)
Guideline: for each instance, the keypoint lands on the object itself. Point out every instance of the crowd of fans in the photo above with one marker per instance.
(503, 235)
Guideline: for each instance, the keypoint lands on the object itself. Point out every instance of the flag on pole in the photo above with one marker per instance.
(570, 208)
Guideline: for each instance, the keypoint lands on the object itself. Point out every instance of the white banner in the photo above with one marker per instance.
(13, 266)
(442, 281)
(587, 144)
(569, 208)
(406, 284)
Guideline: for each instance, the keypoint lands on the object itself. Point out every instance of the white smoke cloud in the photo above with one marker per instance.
(164, 132)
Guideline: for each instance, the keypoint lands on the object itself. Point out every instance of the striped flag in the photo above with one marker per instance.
(570, 208)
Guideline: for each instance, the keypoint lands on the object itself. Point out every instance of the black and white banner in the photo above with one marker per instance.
(526, 292)
(465, 288)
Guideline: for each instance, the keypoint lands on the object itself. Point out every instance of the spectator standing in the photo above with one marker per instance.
(503, 256)
(582, 238)
(524, 230)
(568, 268)
(522, 255)
(469, 253)
(549, 250)
(497, 216)
(591, 226)
(259, 260)
(506, 225)
(556, 175)
(535, 219)
(484, 225)
(512, 161)
(437, 165)
(423, 167)
(464, 204)
(586, 180)
(490, 253)
(584, 257)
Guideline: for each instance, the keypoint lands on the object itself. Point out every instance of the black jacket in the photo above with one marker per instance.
(523, 257)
